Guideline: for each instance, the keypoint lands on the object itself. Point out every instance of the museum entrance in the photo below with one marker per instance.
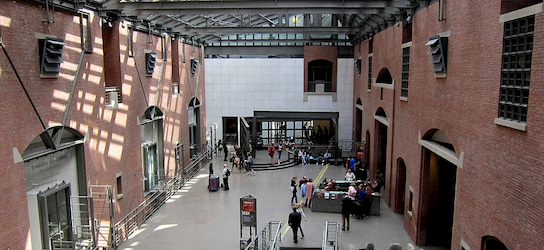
(317, 129)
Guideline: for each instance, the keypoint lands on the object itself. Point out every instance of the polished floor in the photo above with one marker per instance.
(196, 218)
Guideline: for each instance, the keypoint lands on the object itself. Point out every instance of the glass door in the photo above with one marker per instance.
(55, 216)
(151, 173)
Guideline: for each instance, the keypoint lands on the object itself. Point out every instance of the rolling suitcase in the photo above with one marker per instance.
(213, 183)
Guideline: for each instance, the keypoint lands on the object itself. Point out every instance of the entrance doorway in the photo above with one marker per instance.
(56, 221)
(380, 148)
(230, 130)
(400, 196)
(438, 183)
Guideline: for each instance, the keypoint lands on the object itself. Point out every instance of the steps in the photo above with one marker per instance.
(300, 248)
(267, 167)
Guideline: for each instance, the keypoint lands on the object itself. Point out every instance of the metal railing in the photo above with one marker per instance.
(155, 199)
(331, 236)
(269, 237)
(346, 145)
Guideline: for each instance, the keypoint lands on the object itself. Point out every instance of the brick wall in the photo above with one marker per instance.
(497, 189)
(113, 135)
(329, 53)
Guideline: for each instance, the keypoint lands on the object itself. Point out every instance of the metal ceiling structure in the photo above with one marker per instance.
(254, 23)
(264, 22)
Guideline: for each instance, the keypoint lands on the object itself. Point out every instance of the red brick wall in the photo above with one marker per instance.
(113, 144)
(498, 188)
(511, 5)
(329, 53)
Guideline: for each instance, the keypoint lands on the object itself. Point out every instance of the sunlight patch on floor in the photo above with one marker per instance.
(165, 226)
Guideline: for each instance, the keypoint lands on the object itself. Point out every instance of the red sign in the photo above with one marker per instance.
(248, 205)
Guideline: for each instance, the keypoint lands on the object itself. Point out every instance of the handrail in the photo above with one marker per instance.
(268, 238)
(155, 199)
(331, 236)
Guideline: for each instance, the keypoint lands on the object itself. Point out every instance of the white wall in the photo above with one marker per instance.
(236, 87)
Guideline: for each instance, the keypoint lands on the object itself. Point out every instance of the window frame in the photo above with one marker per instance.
(405, 71)
(511, 89)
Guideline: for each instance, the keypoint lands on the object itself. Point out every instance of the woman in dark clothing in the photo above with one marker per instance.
(294, 189)
(225, 150)
(347, 205)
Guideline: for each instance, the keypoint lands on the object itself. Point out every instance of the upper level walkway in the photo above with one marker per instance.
(196, 218)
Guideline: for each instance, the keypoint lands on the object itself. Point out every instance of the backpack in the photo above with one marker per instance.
(220, 146)
(252, 161)
(228, 172)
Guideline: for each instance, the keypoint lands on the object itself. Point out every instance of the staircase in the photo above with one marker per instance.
(267, 167)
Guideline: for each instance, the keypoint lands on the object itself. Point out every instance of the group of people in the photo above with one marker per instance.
(272, 151)
(306, 187)
(225, 173)
(240, 162)
(356, 203)
(306, 157)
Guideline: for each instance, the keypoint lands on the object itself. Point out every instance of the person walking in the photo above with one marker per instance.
(294, 222)
(249, 164)
(219, 148)
(280, 149)
(226, 174)
(300, 210)
(271, 150)
(293, 189)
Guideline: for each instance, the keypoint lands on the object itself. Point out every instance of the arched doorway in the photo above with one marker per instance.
(380, 147)
(193, 110)
(152, 143)
(400, 194)
(437, 192)
(54, 172)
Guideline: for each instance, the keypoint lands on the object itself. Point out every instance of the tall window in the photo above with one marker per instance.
(320, 76)
(369, 73)
(405, 71)
(516, 69)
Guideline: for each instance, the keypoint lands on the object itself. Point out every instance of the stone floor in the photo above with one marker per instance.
(196, 218)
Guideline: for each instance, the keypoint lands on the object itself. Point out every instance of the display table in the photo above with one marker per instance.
(331, 202)
(327, 201)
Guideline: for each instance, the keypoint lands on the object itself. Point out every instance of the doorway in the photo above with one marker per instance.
(380, 148)
(437, 194)
(400, 196)
(230, 130)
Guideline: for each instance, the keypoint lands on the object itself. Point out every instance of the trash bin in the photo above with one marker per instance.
(375, 205)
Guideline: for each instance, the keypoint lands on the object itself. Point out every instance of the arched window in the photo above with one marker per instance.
(492, 243)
